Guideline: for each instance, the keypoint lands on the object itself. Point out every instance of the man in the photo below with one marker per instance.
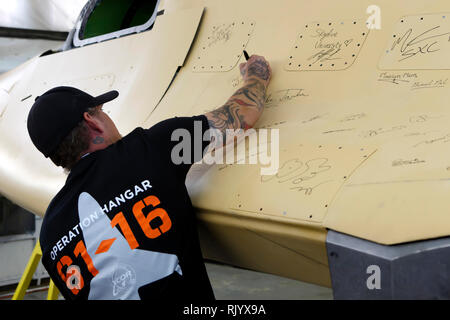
(123, 226)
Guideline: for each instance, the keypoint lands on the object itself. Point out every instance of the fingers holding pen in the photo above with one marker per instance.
(256, 67)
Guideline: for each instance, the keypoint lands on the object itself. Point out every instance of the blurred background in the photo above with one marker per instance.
(31, 27)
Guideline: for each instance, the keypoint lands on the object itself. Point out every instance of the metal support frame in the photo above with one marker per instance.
(28, 274)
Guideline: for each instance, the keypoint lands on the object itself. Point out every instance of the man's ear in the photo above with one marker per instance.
(93, 123)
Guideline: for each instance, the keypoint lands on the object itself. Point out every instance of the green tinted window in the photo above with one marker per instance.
(114, 15)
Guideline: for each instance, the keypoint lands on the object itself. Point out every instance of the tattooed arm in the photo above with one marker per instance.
(246, 105)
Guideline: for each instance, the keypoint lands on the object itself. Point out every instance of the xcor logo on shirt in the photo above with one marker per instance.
(123, 279)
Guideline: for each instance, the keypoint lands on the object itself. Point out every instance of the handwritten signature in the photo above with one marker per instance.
(322, 34)
(396, 78)
(274, 98)
(442, 139)
(401, 162)
(424, 43)
(317, 117)
(308, 190)
(422, 118)
(338, 130)
(221, 33)
(329, 49)
(440, 83)
(376, 132)
(324, 55)
(353, 117)
(297, 172)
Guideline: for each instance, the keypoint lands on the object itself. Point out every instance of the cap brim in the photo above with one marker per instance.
(106, 97)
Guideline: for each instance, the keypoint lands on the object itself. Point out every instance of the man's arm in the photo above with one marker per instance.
(246, 105)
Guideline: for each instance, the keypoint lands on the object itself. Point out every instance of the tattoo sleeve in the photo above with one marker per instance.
(234, 114)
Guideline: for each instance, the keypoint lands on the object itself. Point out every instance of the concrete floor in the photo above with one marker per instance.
(230, 283)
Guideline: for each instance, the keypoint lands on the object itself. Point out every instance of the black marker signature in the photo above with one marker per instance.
(396, 78)
(410, 47)
(324, 55)
(274, 98)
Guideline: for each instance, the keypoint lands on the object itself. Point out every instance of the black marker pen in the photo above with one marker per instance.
(246, 55)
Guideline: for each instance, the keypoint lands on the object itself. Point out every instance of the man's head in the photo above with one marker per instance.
(65, 123)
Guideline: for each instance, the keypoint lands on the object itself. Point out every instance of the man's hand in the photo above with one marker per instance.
(245, 106)
(256, 68)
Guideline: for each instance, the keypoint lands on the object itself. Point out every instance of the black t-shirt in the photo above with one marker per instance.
(123, 226)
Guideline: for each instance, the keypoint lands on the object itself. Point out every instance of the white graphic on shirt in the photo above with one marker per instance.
(121, 270)
(123, 279)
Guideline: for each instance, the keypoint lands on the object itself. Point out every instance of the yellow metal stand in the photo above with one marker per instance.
(53, 291)
(28, 274)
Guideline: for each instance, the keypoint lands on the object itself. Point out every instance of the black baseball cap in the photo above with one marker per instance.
(55, 113)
